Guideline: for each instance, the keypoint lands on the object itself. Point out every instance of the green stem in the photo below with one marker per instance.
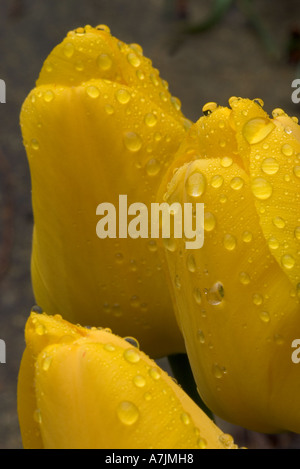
(182, 372)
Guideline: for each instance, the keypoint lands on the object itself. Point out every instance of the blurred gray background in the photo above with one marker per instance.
(241, 55)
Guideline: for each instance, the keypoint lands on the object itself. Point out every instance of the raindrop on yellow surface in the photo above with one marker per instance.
(40, 329)
(79, 66)
(153, 167)
(257, 299)
(104, 62)
(132, 141)
(247, 236)
(170, 244)
(176, 103)
(270, 166)
(209, 221)
(209, 108)
(226, 440)
(93, 92)
(279, 222)
(133, 59)
(185, 418)
(273, 243)
(217, 181)
(35, 144)
(191, 263)
(215, 294)
(127, 413)
(46, 363)
(123, 96)
(257, 129)
(236, 183)
(103, 27)
(147, 396)
(229, 242)
(197, 295)
(287, 150)
(201, 443)
(278, 112)
(139, 381)
(201, 336)
(218, 371)
(109, 347)
(150, 119)
(196, 184)
(297, 171)
(68, 50)
(288, 261)
(244, 278)
(261, 188)
(131, 355)
(265, 316)
(37, 416)
(109, 109)
(48, 96)
(154, 373)
(226, 162)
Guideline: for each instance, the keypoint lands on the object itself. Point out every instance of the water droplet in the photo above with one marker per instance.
(201, 443)
(229, 242)
(217, 181)
(257, 129)
(215, 294)
(79, 66)
(279, 340)
(287, 150)
(139, 381)
(48, 96)
(93, 92)
(226, 440)
(131, 355)
(36, 309)
(109, 109)
(185, 418)
(244, 278)
(104, 62)
(197, 295)
(103, 27)
(209, 108)
(46, 362)
(279, 222)
(123, 96)
(177, 282)
(191, 263)
(133, 59)
(247, 236)
(297, 171)
(147, 396)
(35, 144)
(297, 233)
(69, 50)
(218, 371)
(261, 188)
(236, 183)
(132, 340)
(176, 103)
(288, 261)
(201, 336)
(128, 413)
(170, 244)
(257, 299)
(109, 347)
(40, 329)
(270, 166)
(153, 167)
(209, 221)
(278, 112)
(150, 119)
(265, 316)
(273, 243)
(196, 184)
(132, 141)
(37, 416)
(154, 373)
(226, 162)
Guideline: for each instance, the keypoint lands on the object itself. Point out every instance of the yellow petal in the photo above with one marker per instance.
(236, 308)
(274, 167)
(94, 132)
(100, 392)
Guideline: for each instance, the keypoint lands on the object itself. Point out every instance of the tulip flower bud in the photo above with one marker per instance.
(89, 389)
(237, 298)
(100, 124)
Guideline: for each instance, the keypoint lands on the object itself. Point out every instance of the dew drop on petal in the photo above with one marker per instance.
(196, 184)
(257, 129)
(270, 166)
(132, 141)
(215, 294)
(128, 413)
(104, 62)
(229, 242)
(131, 355)
(288, 261)
(261, 188)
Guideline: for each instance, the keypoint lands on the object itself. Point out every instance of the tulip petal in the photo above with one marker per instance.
(89, 141)
(100, 392)
(234, 303)
(274, 166)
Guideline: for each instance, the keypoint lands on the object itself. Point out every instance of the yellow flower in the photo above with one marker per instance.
(238, 297)
(88, 388)
(100, 123)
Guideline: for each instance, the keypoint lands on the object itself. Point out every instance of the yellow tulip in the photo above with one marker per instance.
(237, 298)
(100, 123)
(88, 388)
